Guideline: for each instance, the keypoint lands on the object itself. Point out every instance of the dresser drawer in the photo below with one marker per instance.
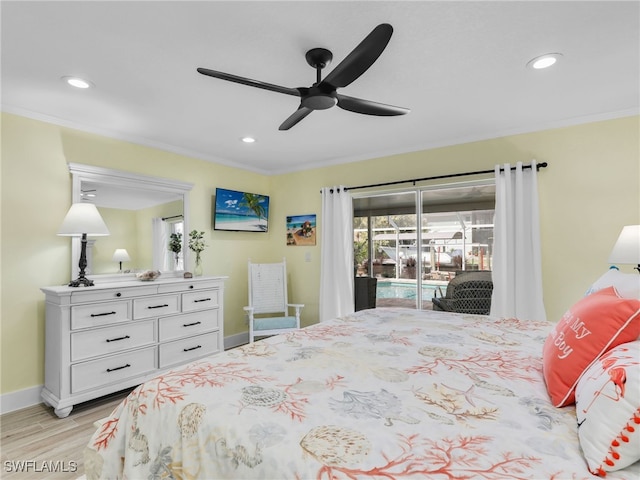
(200, 300)
(101, 341)
(90, 295)
(156, 306)
(98, 314)
(188, 349)
(116, 368)
(188, 324)
(188, 285)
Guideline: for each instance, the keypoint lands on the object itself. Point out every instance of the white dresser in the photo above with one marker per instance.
(113, 336)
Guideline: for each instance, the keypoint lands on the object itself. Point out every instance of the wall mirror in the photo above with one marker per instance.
(141, 212)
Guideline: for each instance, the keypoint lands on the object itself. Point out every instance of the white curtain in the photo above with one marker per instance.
(336, 259)
(517, 266)
(160, 244)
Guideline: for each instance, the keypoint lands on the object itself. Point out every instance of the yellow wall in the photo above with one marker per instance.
(589, 191)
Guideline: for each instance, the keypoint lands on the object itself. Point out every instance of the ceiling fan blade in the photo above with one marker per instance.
(368, 107)
(361, 57)
(247, 81)
(295, 117)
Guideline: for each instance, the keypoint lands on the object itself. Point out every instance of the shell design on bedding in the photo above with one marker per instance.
(262, 397)
(161, 465)
(138, 443)
(336, 446)
(492, 387)
(239, 454)
(371, 404)
(190, 418)
(436, 351)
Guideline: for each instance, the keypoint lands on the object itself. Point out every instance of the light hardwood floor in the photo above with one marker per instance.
(34, 440)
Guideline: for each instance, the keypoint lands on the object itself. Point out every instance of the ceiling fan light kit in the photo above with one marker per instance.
(323, 93)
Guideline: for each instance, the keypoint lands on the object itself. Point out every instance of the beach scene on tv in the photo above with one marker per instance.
(240, 211)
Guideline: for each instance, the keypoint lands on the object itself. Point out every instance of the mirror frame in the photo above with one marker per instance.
(80, 173)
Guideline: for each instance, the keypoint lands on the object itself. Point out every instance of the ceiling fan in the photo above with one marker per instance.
(323, 94)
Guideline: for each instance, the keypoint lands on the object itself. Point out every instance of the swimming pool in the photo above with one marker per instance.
(391, 289)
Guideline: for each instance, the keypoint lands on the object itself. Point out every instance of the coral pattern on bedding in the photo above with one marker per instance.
(380, 394)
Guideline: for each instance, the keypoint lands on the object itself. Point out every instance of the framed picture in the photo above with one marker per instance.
(301, 230)
(240, 211)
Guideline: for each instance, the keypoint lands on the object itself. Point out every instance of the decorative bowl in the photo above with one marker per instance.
(148, 275)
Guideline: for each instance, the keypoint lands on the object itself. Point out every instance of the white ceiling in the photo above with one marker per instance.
(459, 66)
(110, 195)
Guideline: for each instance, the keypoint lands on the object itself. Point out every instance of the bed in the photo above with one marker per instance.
(386, 393)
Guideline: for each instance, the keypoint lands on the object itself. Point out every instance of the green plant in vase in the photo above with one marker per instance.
(197, 245)
(175, 246)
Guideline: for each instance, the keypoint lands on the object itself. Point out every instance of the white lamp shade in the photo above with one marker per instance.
(627, 248)
(121, 255)
(83, 218)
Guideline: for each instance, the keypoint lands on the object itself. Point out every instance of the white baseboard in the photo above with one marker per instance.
(10, 402)
(236, 340)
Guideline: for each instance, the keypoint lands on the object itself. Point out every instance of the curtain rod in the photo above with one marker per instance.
(169, 218)
(438, 177)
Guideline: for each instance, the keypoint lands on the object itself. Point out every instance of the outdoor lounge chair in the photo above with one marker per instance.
(467, 292)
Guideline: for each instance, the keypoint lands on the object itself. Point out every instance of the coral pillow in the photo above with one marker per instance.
(590, 328)
(608, 410)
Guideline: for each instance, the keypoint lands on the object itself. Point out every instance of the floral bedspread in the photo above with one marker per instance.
(387, 393)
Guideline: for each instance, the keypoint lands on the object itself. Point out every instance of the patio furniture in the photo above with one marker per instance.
(467, 292)
(365, 292)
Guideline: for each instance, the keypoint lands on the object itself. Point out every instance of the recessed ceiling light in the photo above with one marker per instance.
(248, 139)
(77, 82)
(544, 61)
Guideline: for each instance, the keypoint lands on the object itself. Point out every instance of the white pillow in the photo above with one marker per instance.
(626, 284)
(608, 410)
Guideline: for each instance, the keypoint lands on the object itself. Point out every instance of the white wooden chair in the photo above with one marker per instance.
(268, 309)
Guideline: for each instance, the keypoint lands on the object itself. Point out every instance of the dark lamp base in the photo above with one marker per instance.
(81, 282)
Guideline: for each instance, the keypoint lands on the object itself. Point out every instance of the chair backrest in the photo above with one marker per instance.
(466, 280)
(268, 287)
(471, 292)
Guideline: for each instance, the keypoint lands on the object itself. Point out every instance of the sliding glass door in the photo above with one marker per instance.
(384, 245)
(413, 242)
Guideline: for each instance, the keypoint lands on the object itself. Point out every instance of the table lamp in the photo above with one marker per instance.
(81, 220)
(627, 248)
(121, 255)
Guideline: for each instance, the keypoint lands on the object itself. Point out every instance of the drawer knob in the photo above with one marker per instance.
(190, 286)
(192, 348)
(158, 306)
(119, 338)
(191, 324)
(102, 314)
(118, 294)
(202, 300)
(118, 368)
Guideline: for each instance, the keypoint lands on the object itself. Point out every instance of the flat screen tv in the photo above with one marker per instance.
(240, 211)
